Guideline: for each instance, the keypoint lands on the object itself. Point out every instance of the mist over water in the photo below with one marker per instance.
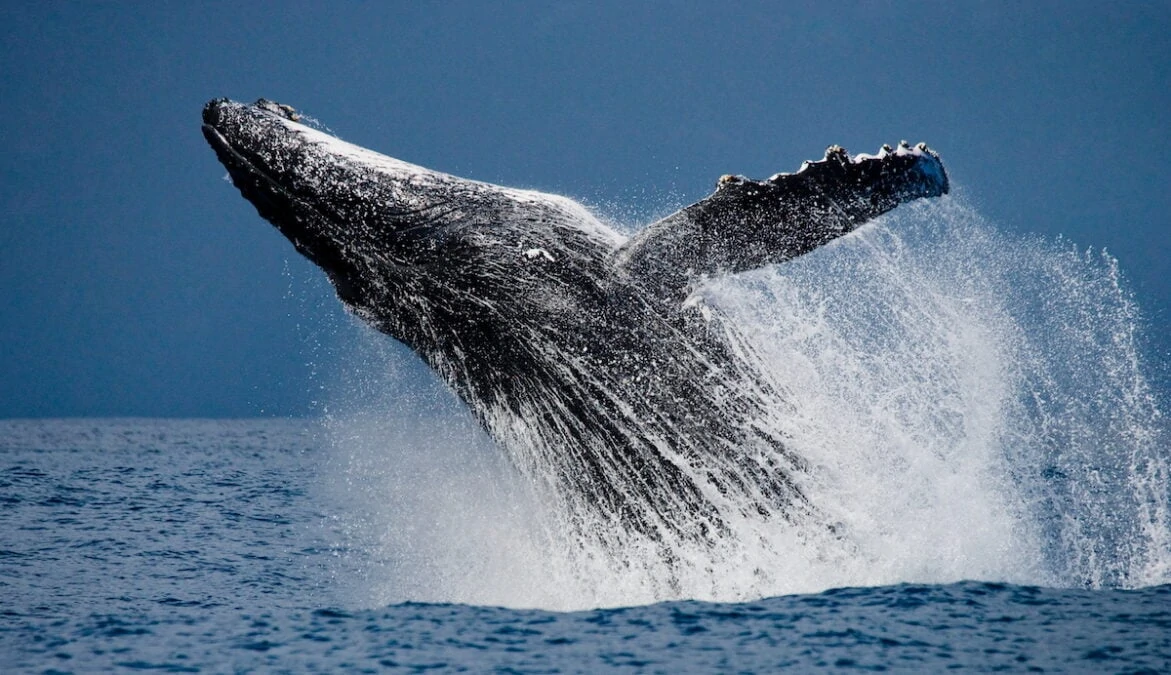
(971, 405)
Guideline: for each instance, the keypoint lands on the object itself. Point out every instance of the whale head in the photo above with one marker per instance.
(399, 242)
(314, 188)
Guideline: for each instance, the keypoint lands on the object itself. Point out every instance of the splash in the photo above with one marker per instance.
(971, 405)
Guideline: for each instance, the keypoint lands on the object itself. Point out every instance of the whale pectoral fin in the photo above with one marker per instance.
(748, 224)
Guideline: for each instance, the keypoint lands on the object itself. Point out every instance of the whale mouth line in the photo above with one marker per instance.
(245, 174)
(235, 161)
(264, 191)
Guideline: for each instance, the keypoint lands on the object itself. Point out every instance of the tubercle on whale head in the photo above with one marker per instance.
(287, 111)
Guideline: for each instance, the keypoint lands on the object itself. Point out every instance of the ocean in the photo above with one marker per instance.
(987, 454)
(210, 546)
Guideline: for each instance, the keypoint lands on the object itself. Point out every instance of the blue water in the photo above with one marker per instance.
(217, 546)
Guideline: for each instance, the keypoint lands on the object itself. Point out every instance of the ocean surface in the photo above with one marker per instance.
(222, 546)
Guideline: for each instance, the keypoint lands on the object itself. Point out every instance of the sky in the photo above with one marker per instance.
(137, 282)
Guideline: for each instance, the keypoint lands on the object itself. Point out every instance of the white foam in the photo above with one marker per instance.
(973, 406)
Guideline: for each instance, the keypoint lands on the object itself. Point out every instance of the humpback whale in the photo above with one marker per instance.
(589, 356)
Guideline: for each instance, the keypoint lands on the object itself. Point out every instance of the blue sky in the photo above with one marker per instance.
(137, 283)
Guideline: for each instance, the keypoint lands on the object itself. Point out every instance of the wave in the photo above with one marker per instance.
(971, 405)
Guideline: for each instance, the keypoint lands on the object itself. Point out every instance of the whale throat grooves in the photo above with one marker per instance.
(633, 406)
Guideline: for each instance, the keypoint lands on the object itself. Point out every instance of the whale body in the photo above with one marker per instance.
(589, 356)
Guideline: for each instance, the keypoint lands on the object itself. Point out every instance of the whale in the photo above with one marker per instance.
(590, 356)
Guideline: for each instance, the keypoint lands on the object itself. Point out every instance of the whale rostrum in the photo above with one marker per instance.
(587, 355)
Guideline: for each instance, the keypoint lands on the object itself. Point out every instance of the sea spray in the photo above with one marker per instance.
(970, 405)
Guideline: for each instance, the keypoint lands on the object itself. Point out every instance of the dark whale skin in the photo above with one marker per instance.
(585, 354)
